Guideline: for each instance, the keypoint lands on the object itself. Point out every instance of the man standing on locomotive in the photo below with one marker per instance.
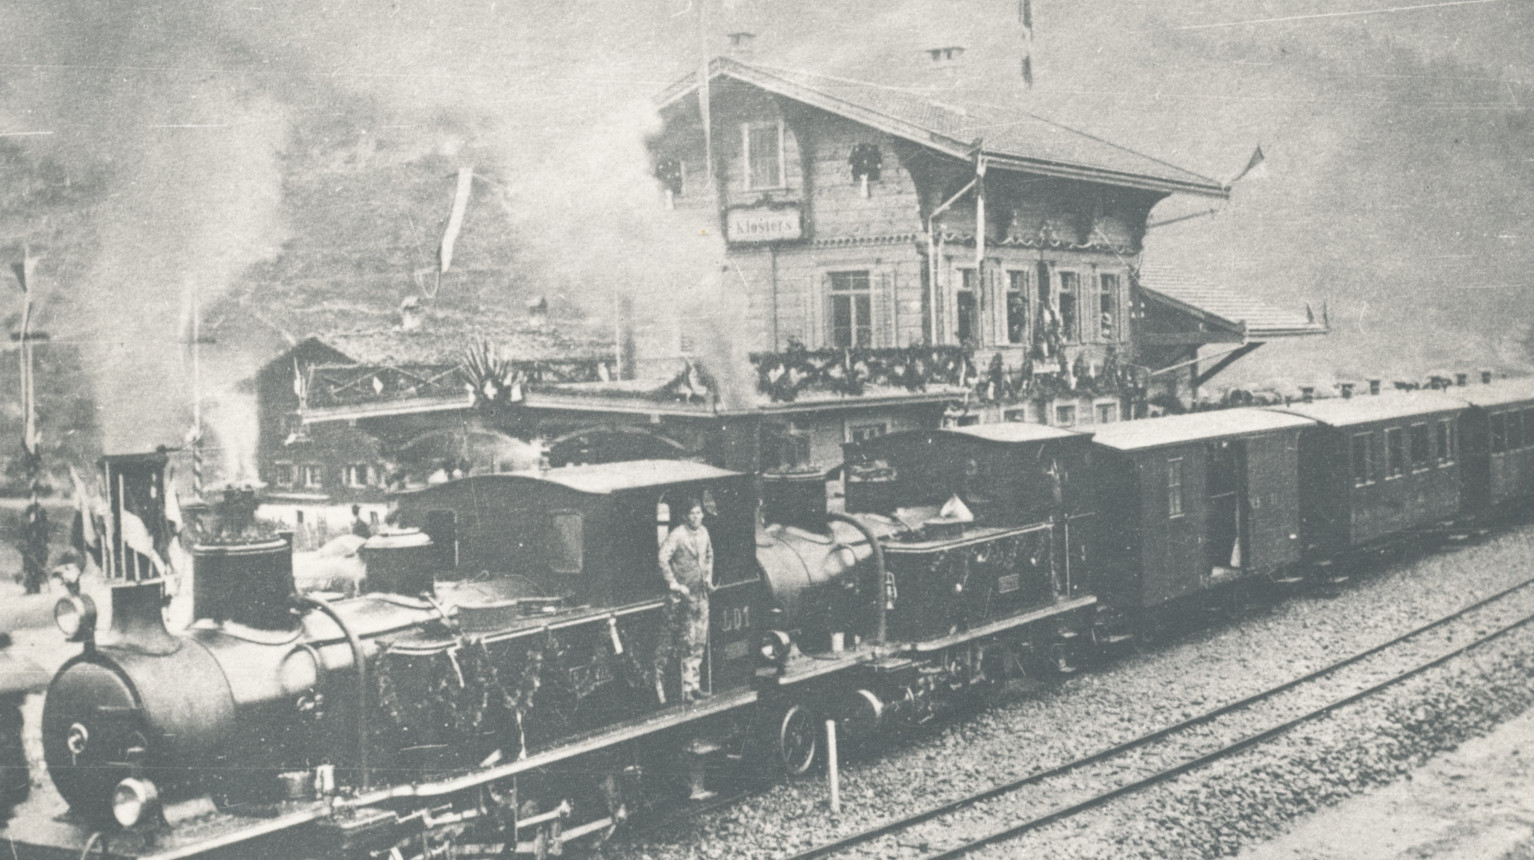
(687, 563)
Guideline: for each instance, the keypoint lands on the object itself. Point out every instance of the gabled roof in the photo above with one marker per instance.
(1224, 308)
(1193, 427)
(1346, 412)
(1010, 138)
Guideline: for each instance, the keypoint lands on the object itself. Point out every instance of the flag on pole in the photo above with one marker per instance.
(137, 538)
(24, 268)
(455, 221)
(87, 539)
(1256, 167)
(703, 93)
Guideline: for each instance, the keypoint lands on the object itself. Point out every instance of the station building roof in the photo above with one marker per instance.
(1010, 138)
(1222, 307)
(1194, 427)
(1366, 409)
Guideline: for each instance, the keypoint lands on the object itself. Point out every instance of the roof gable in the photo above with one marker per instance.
(1009, 138)
(1223, 308)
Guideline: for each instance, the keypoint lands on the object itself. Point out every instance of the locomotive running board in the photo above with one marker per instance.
(658, 722)
(1003, 625)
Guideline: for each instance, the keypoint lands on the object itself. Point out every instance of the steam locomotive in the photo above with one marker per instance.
(506, 681)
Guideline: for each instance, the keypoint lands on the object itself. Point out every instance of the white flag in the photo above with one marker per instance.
(455, 221)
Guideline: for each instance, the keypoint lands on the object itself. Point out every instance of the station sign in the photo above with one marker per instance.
(760, 224)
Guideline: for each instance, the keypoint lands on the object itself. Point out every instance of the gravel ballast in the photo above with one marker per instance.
(1247, 798)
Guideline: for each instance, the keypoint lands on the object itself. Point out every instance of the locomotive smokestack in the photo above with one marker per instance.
(243, 569)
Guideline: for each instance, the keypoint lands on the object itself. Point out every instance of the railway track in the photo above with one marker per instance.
(1007, 810)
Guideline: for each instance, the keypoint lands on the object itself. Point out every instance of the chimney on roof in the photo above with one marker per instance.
(1485, 377)
(1374, 386)
(1461, 378)
(1308, 392)
(742, 44)
(1347, 390)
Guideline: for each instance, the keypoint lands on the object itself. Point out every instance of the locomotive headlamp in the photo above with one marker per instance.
(76, 617)
(773, 648)
(133, 800)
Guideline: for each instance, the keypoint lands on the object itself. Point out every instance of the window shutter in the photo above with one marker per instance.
(883, 305)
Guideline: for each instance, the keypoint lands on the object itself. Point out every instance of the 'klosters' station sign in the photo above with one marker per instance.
(764, 224)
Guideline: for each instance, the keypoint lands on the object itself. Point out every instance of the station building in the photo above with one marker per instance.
(894, 261)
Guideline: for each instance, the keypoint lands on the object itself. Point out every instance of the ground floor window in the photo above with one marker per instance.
(968, 307)
(1107, 413)
(1065, 414)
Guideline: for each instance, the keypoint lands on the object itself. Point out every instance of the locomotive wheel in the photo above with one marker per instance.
(798, 741)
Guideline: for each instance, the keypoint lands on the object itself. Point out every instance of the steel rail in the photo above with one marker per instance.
(897, 825)
(1227, 750)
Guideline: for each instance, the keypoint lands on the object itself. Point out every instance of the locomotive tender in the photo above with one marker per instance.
(505, 683)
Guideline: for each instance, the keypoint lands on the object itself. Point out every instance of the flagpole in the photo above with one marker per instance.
(196, 392)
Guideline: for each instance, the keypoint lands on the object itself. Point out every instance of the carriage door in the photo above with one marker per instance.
(1227, 468)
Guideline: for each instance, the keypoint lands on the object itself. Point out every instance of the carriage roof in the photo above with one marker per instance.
(1193, 427)
(1344, 412)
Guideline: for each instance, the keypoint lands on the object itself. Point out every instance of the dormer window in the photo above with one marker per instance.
(762, 148)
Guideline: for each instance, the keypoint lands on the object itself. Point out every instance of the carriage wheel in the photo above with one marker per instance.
(798, 741)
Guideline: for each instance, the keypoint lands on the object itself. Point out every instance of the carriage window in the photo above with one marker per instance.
(1443, 438)
(1498, 433)
(1174, 487)
(563, 542)
(1363, 459)
(1421, 447)
(1395, 452)
(1528, 427)
(1514, 430)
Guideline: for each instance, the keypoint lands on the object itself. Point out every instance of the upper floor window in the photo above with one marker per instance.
(1070, 291)
(308, 476)
(357, 476)
(968, 307)
(282, 474)
(851, 309)
(1108, 307)
(763, 145)
(1017, 307)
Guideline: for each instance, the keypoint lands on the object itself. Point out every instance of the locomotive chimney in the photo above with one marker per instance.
(243, 571)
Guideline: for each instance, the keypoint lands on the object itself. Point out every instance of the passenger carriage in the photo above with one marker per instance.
(1497, 446)
(1193, 501)
(1373, 468)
